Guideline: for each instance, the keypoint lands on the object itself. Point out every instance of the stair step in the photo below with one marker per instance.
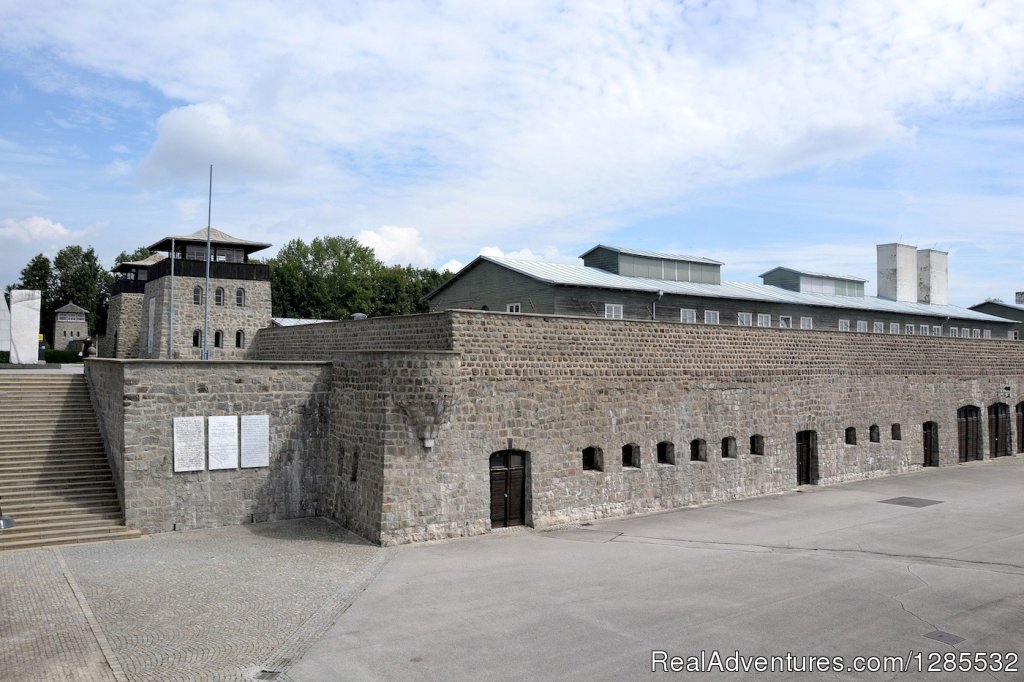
(21, 491)
(38, 500)
(118, 533)
(26, 525)
(36, 508)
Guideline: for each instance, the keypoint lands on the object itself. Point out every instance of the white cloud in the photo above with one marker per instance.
(32, 230)
(452, 266)
(397, 245)
(191, 138)
(549, 254)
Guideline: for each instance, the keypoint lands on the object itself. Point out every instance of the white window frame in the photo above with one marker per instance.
(908, 329)
(894, 327)
(844, 325)
(688, 315)
(922, 330)
(986, 334)
(764, 320)
(613, 311)
(936, 330)
(954, 332)
(807, 323)
(975, 333)
(1013, 335)
(785, 321)
(862, 325)
(710, 317)
(744, 320)
(878, 327)
(518, 308)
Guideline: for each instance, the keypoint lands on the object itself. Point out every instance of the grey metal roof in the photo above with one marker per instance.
(71, 308)
(1012, 306)
(294, 321)
(582, 276)
(814, 274)
(216, 237)
(653, 254)
(144, 263)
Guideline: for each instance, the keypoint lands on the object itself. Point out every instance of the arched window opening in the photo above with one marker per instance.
(851, 436)
(197, 296)
(698, 450)
(729, 448)
(218, 296)
(239, 339)
(897, 432)
(593, 459)
(666, 452)
(240, 297)
(757, 444)
(197, 338)
(873, 434)
(218, 339)
(630, 456)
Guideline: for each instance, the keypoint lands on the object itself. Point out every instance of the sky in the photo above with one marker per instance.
(758, 134)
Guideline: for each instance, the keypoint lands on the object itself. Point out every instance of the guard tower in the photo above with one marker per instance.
(167, 296)
(71, 325)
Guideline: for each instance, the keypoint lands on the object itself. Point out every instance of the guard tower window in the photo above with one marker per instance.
(218, 339)
(240, 297)
(851, 435)
(239, 339)
(897, 432)
(698, 450)
(873, 434)
(197, 296)
(218, 296)
(592, 459)
(630, 456)
(197, 338)
(729, 447)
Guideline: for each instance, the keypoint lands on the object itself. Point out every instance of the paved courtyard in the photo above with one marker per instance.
(929, 563)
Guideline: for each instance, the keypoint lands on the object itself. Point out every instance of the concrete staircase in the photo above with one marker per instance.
(55, 481)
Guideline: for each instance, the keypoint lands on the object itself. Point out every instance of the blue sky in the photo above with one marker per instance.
(758, 134)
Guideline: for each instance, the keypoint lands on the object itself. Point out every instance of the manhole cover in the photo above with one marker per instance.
(944, 637)
(911, 501)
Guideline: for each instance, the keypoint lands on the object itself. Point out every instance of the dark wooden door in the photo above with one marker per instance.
(999, 429)
(508, 488)
(968, 425)
(931, 444)
(806, 457)
(1020, 426)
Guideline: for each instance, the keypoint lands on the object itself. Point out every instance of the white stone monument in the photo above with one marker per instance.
(5, 326)
(25, 308)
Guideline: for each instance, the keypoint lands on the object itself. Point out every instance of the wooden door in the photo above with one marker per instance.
(999, 429)
(931, 444)
(968, 423)
(508, 488)
(806, 457)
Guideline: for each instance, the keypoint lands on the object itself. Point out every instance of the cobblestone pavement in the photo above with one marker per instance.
(223, 604)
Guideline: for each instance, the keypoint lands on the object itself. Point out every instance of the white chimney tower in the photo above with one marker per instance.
(933, 277)
(897, 272)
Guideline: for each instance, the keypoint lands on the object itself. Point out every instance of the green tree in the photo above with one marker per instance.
(335, 277)
(80, 279)
(140, 253)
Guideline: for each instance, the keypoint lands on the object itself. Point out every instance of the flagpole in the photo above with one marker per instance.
(206, 313)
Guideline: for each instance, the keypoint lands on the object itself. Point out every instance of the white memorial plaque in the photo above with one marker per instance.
(255, 440)
(25, 307)
(189, 444)
(223, 438)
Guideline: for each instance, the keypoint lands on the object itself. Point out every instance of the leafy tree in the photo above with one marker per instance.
(335, 277)
(81, 279)
(138, 254)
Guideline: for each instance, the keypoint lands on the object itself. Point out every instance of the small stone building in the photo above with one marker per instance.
(70, 327)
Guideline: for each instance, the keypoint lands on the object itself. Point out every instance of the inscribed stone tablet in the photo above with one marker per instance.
(189, 444)
(223, 438)
(256, 440)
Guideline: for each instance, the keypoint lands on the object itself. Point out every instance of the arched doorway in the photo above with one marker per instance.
(508, 488)
(931, 444)
(968, 426)
(1019, 409)
(806, 457)
(999, 429)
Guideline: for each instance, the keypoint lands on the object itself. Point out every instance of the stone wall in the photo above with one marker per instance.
(228, 318)
(124, 324)
(68, 332)
(138, 400)
(326, 340)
